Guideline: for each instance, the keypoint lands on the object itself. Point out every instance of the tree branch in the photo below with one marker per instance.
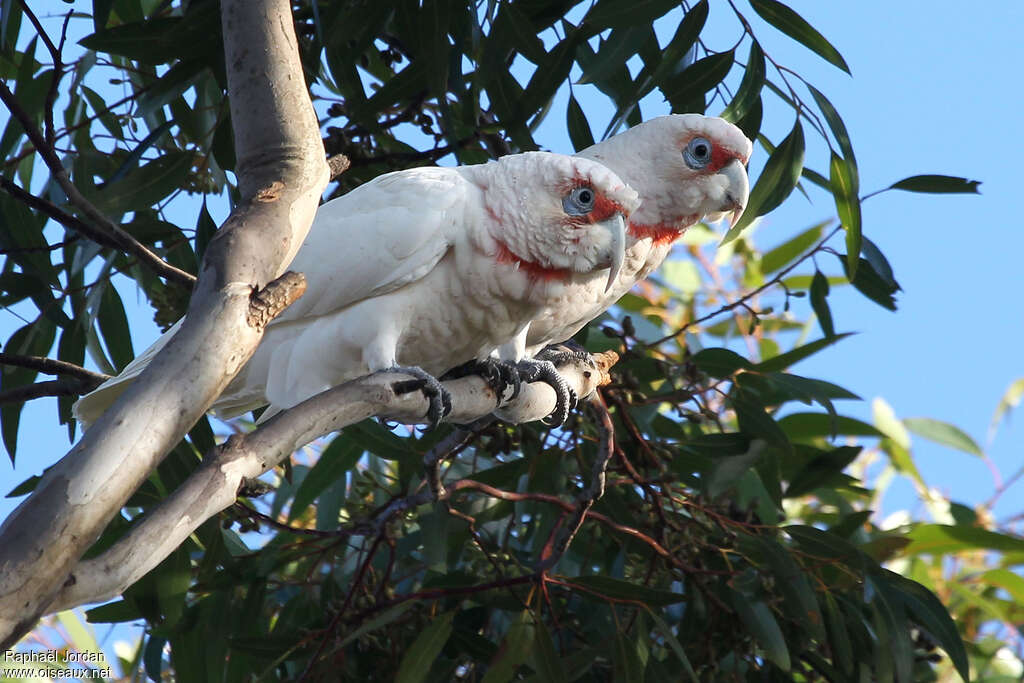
(65, 386)
(52, 366)
(214, 485)
(119, 237)
(282, 173)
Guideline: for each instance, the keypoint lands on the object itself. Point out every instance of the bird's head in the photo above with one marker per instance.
(556, 214)
(687, 168)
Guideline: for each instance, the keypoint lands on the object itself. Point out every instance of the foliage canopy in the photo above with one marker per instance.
(735, 538)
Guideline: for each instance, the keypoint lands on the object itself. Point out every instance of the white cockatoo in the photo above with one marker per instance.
(419, 271)
(686, 168)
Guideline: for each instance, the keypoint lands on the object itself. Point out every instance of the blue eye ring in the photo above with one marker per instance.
(580, 201)
(697, 154)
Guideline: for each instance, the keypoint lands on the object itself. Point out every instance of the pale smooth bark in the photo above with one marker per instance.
(215, 484)
(282, 173)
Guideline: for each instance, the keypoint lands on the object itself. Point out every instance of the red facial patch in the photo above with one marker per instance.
(720, 155)
(604, 207)
(534, 270)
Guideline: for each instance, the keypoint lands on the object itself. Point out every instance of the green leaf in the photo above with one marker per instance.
(780, 175)
(749, 91)
(941, 539)
(821, 470)
(1009, 401)
(943, 433)
(547, 662)
(606, 588)
(579, 129)
(835, 123)
(814, 425)
(843, 181)
(615, 14)
(761, 624)
(793, 25)
(932, 615)
(380, 441)
(727, 471)
(1009, 581)
(113, 324)
(424, 650)
(779, 257)
(615, 51)
(785, 360)
(335, 460)
(521, 31)
(673, 58)
(819, 302)
(720, 363)
(868, 282)
(626, 660)
(937, 184)
(514, 650)
(673, 642)
(113, 612)
(145, 186)
(755, 421)
(695, 80)
(879, 263)
(379, 621)
(838, 637)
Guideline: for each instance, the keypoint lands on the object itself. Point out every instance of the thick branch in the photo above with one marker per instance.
(282, 173)
(214, 486)
(122, 239)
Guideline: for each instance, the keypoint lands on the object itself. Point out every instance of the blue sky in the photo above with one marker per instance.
(934, 90)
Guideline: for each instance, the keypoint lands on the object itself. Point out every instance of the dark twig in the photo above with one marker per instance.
(742, 301)
(65, 386)
(122, 239)
(562, 537)
(51, 366)
(449, 447)
(53, 211)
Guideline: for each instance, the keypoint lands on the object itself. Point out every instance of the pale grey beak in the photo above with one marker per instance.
(616, 226)
(737, 191)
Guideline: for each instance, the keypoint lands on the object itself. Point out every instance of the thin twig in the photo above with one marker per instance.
(65, 386)
(52, 366)
(742, 301)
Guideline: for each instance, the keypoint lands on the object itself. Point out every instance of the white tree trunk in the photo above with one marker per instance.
(282, 173)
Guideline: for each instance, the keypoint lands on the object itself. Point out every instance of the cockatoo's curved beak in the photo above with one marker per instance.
(737, 191)
(616, 226)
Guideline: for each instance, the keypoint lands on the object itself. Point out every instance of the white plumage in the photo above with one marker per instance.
(429, 267)
(678, 187)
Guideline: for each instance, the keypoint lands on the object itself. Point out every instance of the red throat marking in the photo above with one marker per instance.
(659, 233)
(533, 270)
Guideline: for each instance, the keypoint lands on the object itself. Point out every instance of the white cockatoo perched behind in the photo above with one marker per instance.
(687, 168)
(425, 269)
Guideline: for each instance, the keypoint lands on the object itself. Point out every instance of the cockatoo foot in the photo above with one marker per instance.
(544, 371)
(564, 353)
(439, 398)
(500, 376)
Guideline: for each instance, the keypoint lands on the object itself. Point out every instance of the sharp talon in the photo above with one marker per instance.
(544, 371)
(499, 376)
(438, 397)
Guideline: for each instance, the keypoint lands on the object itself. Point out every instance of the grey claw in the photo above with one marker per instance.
(499, 375)
(544, 371)
(438, 397)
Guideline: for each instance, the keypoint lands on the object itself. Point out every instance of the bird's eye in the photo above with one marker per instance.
(697, 154)
(579, 201)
